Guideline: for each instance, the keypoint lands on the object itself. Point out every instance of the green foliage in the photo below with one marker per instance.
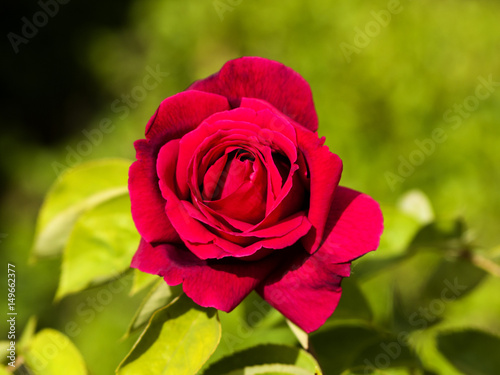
(178, 339)
(52, 353)
(158, 296)
(264, 359)
(75, 192)
(141, 281)
(471, 352)
(100, 246)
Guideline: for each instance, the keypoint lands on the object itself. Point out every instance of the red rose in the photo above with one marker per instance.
(233, 191)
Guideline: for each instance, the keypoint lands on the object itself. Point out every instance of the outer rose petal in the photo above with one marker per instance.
(175, 117)
(219, 284)
(256, 77)
(148, 205)
(183, 112)
(306, 289)
(325, 169)
(354, 226)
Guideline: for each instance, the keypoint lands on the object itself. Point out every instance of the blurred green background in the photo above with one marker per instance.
(384, 76)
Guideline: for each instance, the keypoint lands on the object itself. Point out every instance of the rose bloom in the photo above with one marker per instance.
(233, 191)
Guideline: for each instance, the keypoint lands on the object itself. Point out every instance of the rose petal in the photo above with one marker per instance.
(354, 226)
(219, 284)
(306, 288)
(256, 77)
(206, 244)
(325, 169)
(147, 202)
(175, 117)
(181, 113)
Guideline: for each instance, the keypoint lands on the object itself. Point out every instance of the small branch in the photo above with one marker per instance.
(485, 264)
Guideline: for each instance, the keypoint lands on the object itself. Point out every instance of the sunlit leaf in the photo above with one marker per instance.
(52, 353)
(178, 339)
(100, 247)
(28, 332)
(264, 359)
(477, 310)
(274, 369)
(424, 344)
(75, 192)
(301, 335)
(254, 322)
(159, 296)
(141, 281)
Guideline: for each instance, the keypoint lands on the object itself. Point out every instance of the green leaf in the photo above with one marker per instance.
(445, 236)
(141, 281)
(265, 359)
(477, 310)
(75, 192)
(178, 339)
(337, 346)
(28, 333)
(471, 352)
(159, 296)
(424, 344)
(386, 371)
(100, 247)
(301, 335)
(5, 371)
(52, 353)
(4, 346)
(274, 369)
(427, 285)
(253, 322)
(399, 229)
(352, 304)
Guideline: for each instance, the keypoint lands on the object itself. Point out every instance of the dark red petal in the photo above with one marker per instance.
(188, 228)
(354, 226)
(325, 169)
(256, 77)
(175, 117)
(205, 244)
(306, 289)
(183, 112)
(219, 284)
(148, 205)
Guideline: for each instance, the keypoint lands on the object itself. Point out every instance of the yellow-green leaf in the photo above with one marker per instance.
(76, 191)
(52, 353)
(178, 340)
(100, 246)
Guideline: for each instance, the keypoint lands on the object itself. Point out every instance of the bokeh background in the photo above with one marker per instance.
(384, 75)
